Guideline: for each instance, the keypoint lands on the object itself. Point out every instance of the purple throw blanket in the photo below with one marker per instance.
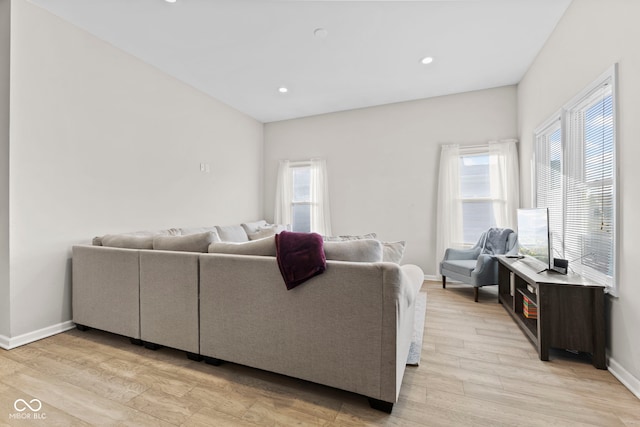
(300, 257)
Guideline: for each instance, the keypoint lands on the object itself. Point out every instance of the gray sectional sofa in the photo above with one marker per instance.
(348, 328)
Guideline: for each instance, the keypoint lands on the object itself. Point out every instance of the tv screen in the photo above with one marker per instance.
(533, 235)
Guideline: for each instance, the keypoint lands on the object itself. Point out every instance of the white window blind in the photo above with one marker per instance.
(575, 178)
(549, 182)
(590, 155)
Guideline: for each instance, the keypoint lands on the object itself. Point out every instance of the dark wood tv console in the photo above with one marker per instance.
(570, 310)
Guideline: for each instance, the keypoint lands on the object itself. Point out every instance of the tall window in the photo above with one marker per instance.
(549, 187)
(302, 199)
(576, 180)
(475, 194)
(478, 188)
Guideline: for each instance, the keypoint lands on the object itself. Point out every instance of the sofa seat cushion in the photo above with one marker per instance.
(464, 267)
(365, 250)
(261, 247)
(198, 242)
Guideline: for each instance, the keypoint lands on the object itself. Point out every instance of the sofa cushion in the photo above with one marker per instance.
(232, 233)
(260, 247)
(464, 267)
(349, 237)
(185, 231)
(252, 227)
(393, 251)
(266, 231)
(198, 242)
(364, 250)
(127, 241)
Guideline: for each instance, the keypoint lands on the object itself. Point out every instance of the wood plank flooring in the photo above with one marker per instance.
(477, 369)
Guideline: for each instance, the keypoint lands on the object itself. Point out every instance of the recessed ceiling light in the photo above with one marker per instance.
(170, 1)
(320, 33)
(283, 89)
(426, 60)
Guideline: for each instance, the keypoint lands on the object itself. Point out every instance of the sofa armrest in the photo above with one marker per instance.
(106, 288)
(461, 254)
(485, 271)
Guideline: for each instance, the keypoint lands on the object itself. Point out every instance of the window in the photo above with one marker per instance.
(475, 195)
(478, 188)
(549, 188)
(575, 178)
(302, 199)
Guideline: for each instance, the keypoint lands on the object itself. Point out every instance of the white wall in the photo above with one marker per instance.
(5, 31)
(383, 161)
(102, 142)
(592, 36)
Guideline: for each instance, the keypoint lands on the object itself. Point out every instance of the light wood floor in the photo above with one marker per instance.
(477, 369)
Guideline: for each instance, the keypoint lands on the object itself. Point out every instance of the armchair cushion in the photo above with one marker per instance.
(464, 267)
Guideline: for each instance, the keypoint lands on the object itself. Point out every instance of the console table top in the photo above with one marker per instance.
(531, 275)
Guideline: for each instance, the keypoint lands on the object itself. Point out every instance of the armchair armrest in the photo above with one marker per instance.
(461, 254)
(485, 261)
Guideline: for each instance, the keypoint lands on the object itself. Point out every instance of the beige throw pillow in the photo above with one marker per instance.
(363, 250)
(198, 242)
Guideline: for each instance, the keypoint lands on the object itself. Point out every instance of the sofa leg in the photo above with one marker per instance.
(82, 328)
(151, 346)
(194, 356)
(381, 405)
(212, 361)
(444, 282)
(136, 341)
(475, 293)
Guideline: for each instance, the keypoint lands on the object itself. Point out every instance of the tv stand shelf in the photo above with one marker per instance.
(570, 310)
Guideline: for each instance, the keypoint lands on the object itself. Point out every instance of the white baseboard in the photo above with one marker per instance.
(625, 377)
(9, 343)
(4, 342)
(432, 278)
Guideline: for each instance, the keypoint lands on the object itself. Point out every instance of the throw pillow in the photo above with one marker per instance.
(232, 233)
(252, 227)
(363, 250)
(260, 247)
(191, 243)
(197, 230)
(393, 251)
(127, 241)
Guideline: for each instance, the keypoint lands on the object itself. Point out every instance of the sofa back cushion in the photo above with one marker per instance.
(261, 247)
(364, 250)
(198, 242)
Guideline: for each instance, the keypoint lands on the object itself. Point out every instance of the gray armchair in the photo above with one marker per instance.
(477, 266)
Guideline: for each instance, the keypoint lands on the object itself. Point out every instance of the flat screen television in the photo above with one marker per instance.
(534, 238)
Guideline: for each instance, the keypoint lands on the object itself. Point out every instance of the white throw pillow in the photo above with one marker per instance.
(393, 251)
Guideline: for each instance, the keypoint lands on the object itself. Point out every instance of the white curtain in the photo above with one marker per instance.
(449, 207)
(284, 194)
(320, 211)
(504, 181)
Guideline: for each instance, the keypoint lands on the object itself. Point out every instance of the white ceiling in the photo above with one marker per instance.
(242, 51)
